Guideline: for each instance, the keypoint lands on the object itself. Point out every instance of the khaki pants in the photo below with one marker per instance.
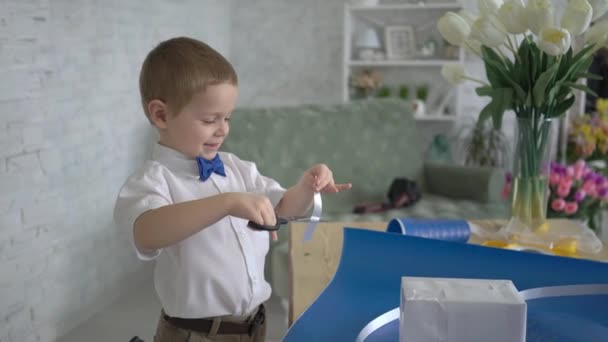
(167, 332)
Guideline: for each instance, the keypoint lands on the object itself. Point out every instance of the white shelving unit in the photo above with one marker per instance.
(414, 71)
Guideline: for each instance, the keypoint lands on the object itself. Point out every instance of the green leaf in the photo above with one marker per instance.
(502, 99)
(589, 76)
(565, 63)
(486, 113)
(563, 107)
(580, 87)
(484, 91)
(541, 85)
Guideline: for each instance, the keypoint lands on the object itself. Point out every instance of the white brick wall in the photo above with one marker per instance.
(71, 130)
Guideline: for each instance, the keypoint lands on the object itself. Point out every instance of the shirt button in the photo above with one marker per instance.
(243, 234)
(255, 279)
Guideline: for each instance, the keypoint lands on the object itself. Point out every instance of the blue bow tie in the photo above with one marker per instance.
(207, 167)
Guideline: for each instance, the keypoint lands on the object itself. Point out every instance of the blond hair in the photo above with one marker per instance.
(177, 69)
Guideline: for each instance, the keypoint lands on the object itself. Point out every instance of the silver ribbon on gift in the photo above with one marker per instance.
(530, 294)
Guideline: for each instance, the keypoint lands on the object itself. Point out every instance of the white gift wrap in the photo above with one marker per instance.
(461, 310)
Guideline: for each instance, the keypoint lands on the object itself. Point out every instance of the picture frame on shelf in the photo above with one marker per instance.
(400, 42)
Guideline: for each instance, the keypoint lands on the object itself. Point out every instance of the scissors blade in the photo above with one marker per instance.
(301, 219)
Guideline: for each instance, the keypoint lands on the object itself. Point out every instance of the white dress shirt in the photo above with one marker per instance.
(218, 271)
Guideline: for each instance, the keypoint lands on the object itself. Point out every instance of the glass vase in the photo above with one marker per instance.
(531, 173)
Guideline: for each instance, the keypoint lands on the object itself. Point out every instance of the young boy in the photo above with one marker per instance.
(189, 206)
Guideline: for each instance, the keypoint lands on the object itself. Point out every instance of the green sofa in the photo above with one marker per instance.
(367, 143)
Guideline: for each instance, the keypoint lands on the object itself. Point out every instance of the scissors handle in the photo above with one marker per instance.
(280, 221)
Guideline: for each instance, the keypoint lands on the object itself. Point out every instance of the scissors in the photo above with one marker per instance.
(280, 222)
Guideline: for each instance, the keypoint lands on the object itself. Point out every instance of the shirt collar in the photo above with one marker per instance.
(175, 161)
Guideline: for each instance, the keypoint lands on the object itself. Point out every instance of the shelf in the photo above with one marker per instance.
(445, 6)
(411, 62)
(435, 117)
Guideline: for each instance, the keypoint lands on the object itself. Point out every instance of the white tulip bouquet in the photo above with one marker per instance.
(530, 65)
(531, 69)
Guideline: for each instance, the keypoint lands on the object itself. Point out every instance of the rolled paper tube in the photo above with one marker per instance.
(448, 230)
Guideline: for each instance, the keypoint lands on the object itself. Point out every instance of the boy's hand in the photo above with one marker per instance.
(319, 178)
(252, 207)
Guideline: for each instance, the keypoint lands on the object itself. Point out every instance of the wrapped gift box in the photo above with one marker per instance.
(461, 310)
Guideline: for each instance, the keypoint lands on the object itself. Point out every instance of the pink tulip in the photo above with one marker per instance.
(580, 164)
(570, 171)
(562, 190)
(571, 208)
(579, 196)
(602, 193)
(578, 174)
(589, 186)
(554, 179)
(506, 191)
(586, 171)
(566, 182)
(558, 204)
(592, 193)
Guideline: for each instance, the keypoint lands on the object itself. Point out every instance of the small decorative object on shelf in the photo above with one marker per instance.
(384, 92)
(368, 45)
(400, 42)
(404, 92)
(419, 104)
(422, 93)
(365, 83)
(418, 108)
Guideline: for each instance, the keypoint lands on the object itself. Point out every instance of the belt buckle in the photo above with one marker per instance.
(258, 320)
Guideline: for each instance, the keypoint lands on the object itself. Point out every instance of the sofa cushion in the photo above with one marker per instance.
(480, 184)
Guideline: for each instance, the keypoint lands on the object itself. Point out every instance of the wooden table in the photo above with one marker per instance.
(314, 263)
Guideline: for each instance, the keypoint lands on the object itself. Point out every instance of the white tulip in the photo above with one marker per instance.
(577, 17)
(453, 28)
(473, 46)
(488, 7)
(599, 8)
(540, 15)
(453, 73)
(514, 16)
(597, 34)
(489, 31)
(468, 17)
(554, 41)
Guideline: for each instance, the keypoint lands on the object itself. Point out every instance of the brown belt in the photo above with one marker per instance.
(204, 325)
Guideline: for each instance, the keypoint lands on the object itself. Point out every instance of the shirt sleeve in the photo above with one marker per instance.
(144, 190)
(259, 184)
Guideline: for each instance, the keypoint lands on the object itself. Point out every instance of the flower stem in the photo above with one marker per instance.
(512, 47)
(473, 50)
(501, 54)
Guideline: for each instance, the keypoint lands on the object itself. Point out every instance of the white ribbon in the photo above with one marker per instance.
(315, 217)
(530, 294)
(377, 323)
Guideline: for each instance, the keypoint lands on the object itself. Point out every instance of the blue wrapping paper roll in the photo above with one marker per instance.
(447, 230)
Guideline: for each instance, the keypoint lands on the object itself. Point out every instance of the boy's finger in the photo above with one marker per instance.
(274, 236)
(322, 183)
(344, 186)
